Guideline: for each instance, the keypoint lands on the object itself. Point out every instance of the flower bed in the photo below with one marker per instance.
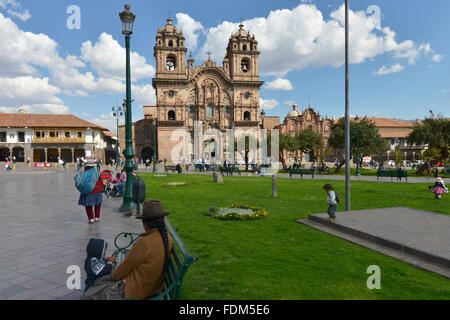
(175, 184)
(237, 212)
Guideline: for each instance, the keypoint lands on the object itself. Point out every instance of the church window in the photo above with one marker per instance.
(171, 94)
(210, 111)
(171, 115)
(146, 132)
(244, 47)
(247, 95)
(246, 116)
(170, 63)
(245, 65)
(170, 43)
(191, 109)
(227, 109)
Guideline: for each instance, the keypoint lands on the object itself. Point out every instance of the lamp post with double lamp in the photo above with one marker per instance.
(357, 146)
(155, 154)
(117, 113)
(127, 18)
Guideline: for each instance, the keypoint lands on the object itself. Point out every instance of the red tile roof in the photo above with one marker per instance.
(384, 123)
(17, 120)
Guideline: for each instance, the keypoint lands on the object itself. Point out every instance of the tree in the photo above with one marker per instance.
(244, 153)
(435, 132)
(308, 141)
(370, 141)
(286, 143)
(398, 155)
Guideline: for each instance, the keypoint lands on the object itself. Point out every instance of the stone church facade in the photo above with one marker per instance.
(297, 121)
(221, 97)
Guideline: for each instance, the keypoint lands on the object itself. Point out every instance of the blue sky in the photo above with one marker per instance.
(399, 71)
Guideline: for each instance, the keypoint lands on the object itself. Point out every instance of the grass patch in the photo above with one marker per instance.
(278, 258)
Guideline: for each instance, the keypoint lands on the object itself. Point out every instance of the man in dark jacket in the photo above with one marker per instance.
(96, 265)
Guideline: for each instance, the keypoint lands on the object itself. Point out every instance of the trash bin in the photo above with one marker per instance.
(138, 194)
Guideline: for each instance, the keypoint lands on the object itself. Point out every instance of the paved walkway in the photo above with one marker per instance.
(43, 231)
(419, 236)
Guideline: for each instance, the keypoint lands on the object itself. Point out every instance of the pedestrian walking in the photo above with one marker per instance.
(93, 200)
(428, 168)
(61, 164)
(439, 188)
(8, 165)
(333, 199)
(28, 160)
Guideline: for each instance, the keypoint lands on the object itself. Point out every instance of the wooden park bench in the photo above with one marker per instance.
(392, 173)
(230, 170)
(179, 261)
(301, 172)
(321, 170)
(173, 169)
(447, 171)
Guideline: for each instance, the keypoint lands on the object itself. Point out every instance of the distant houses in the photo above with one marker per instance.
(47, 137)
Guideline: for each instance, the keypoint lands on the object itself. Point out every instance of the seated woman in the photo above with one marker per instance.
(141, 274)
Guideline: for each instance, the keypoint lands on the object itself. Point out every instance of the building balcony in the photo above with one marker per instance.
(171, 123)
(58, 140)
(246, 123)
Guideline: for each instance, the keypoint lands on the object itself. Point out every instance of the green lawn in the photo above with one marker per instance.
(278, 258)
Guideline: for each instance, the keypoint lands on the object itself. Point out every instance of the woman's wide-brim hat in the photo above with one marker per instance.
(439, 179)
(90, 163)
(153, 210)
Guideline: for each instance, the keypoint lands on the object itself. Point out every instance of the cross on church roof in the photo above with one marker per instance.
(209, 53)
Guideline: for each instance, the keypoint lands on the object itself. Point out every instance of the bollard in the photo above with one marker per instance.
(274, 187)
(67, 166)
(14, 167)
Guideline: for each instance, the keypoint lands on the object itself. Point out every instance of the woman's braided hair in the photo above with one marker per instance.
(159, 224)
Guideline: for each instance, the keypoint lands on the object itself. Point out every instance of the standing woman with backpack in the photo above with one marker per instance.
(91, 196)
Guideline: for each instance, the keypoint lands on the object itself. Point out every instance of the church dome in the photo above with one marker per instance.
(241, 33)
(294, 113)
(170, 28)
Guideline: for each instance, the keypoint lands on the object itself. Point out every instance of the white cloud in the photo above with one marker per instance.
(268, 104)
(437, 58)
(446, 91)
(300, 38)
(191, 29)
(107, 59)
(12, 7)
(279, 84)
(105, 120)
(28, 90)
(388, 70)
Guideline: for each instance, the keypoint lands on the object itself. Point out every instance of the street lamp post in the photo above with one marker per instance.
(155, 157)
(347, 114)
(117, 113)
(127, 18)
(264, 152)
(357, 146)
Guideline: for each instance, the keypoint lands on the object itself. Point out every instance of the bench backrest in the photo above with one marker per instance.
(179, 261)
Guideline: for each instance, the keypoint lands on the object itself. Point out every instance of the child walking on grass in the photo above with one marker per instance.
(332, 199)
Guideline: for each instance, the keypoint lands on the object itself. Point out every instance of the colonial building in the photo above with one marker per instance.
(396, 133)
(297, 121)
(221, 97)
(47, 137)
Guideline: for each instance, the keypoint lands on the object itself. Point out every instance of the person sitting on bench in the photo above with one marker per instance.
(141, 274)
